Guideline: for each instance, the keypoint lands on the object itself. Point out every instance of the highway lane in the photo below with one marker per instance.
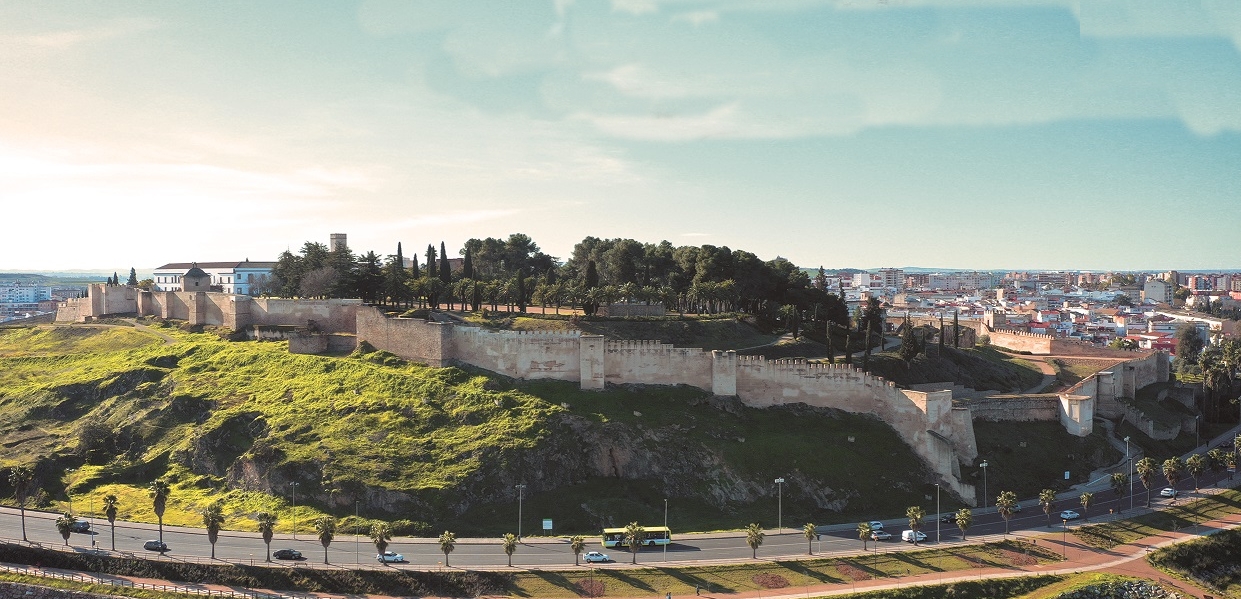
(191, 544)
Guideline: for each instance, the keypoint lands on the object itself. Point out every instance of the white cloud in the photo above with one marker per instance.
(67, 38)
(697, 17)
(635, 7)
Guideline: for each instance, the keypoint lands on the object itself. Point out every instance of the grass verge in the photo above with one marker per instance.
(1213, 562)
(1120, 532)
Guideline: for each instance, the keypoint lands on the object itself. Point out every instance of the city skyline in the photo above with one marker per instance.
(1039, 135)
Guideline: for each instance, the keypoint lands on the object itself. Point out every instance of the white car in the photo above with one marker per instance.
(909, 536)
(1069, 515)
(1167, 492)
(389, 557)
(593, 557)
(875, 525)
(880, 535)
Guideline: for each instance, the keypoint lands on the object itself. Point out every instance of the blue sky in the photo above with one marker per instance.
(851, 133)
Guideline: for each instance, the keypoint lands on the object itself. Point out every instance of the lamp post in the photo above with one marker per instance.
(357, 538)
(293, 485)
(666, 528)
(69, 481)
(780, 505)
(1197, 431)
(984, 482)
(1064, 538)
(938, 516)
(520, 491)
(1129, 459)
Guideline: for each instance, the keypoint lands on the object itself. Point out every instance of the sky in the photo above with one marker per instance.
(1016, 134)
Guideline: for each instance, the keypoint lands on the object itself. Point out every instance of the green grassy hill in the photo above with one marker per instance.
(108, 410)
(707, 332)
(977, 368)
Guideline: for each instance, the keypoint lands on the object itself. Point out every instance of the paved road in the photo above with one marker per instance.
(191, 544)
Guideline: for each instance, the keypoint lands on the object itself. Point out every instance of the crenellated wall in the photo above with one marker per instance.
(519, 354)
(655, 363)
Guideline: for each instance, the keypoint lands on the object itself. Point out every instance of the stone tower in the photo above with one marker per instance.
(338, 242)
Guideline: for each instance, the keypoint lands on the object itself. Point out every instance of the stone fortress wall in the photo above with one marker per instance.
(941, 434)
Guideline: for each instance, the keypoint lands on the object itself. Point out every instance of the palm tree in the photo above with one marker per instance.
(1196, 464)
(1215, 460)
(964, 519)
(578, 544)
(20, 478)
(267, 527)
(1120, 480)
(1005, 504)
(811, 534)
(381, 533)
(325, 526)
(1172, 469)
(213, 519)
(509, 540)
(64, 525)
(1086, 498)
(634, 535)
(110, 503)
(1047, 499)
(159, 492)
(864, 533)
(1146, 468)
(1230, 462)
(448, 542)
(915, 514)
(754, 538)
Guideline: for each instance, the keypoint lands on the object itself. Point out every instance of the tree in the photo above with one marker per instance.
(956, 332)
(1188, 344)
(158, 492)
(1196, 464)
(1120, 480)
(909, 342)
(64, 525)
(1047, 499)
(325, 527)
(811, 534)
(213, 519)
(1172, 469)
(509, 540)
(448, 542)
(634, 534)
(754, 538)
(20, 478)
(964, 519)
(915, 514)
(381, 533)
(133, 278)
(267, 528)
(1086, 498)
(1005, 504)
(864, 533)
(578, 544)
(1146, 469)
(110, 504)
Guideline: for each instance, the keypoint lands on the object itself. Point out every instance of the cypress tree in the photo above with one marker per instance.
(445, 271)
(414, 271)
(941, 331)
(467, 266)
(133, 278)
(431, 261)
(956, 332)
(521, 292)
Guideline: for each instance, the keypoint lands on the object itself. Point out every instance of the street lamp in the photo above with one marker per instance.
(780, 505)
(938, 517)
(667, 535)
(357, 542)
(1197, 431)
(520, 491)
(68, 486)
(1129, 459)
(293, 485)
(1064, 538)
(984, 482)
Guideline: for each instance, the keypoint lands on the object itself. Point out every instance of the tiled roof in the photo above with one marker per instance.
(243, 264)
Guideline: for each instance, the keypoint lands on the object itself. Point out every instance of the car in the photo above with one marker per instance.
(80, 526)
(1069, 515)
(389, 557)
(875, 525)
(880, 535)
(1167, 492)
(155, 545)
(909, 535)
(949, 518)
(593, 557)
(287, 554)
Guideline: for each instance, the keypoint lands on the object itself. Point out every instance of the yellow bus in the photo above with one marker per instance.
(651, 536)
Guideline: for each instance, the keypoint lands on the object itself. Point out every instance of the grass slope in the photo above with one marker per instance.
(1213, 562)
(977, 368)
(1026, 457)
(706, 332)
(240, 421)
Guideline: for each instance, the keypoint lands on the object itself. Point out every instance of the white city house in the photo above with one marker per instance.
(242, 278)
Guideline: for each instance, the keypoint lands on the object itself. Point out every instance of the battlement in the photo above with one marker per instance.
(1024, 334)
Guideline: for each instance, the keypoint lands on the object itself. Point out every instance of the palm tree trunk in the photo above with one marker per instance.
(23, 510)
(114, 536)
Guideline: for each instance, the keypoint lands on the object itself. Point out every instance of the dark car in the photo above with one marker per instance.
(287, 554)
(154, 545)
(80, 526)
(949, 518)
